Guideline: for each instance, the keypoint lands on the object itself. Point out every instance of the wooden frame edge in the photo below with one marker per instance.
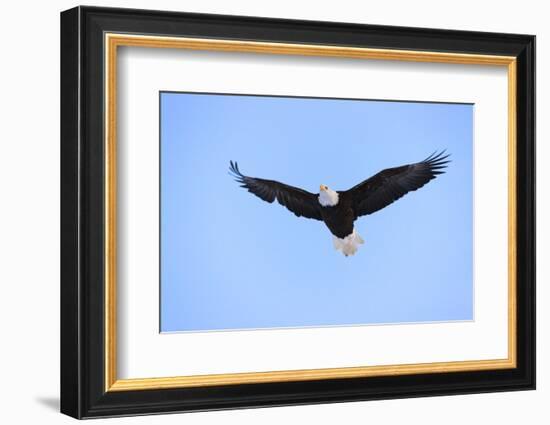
(306, 375)
(114, 40)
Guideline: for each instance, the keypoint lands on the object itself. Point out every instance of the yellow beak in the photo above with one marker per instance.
(323, 187)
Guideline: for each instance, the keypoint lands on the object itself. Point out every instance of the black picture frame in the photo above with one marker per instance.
(83, 392)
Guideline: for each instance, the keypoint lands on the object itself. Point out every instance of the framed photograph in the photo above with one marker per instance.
(261, 212)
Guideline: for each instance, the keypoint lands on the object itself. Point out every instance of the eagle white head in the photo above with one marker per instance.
(327, 196)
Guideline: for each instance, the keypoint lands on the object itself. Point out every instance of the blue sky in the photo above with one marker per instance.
(232, 261)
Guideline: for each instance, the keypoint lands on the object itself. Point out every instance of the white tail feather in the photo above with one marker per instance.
(348, 245)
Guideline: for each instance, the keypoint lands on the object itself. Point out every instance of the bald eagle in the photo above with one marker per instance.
(339, 209)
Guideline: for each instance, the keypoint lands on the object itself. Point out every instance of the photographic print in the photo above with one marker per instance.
(292, 212)
(262, 212)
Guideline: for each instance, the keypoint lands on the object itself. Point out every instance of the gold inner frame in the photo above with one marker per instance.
(113, 41)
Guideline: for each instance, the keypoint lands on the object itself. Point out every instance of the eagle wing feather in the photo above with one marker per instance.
(301, 202)
(389, 185)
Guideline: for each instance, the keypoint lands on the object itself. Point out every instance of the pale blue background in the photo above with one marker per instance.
(232, 261)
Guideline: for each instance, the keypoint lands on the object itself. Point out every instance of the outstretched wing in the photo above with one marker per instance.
(389, 185)
(301, 202)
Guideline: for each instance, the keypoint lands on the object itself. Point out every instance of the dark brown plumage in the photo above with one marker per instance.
(301, 202)
(365, 198)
